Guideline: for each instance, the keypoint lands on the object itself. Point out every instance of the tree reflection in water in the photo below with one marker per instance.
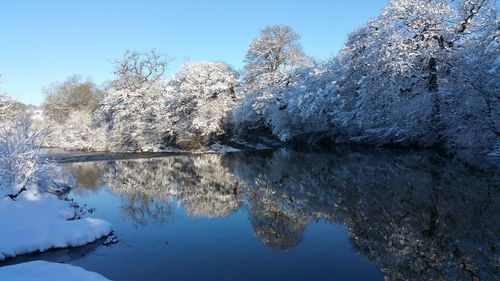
(416, 214)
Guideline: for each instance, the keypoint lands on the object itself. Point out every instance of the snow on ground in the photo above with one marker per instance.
(220, 148)
(28, 226)
(45, 271)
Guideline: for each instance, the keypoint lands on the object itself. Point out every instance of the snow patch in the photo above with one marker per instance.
(42, 270)
(28, 226)
(220, 148)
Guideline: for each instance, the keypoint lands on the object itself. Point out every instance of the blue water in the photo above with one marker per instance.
(187, 248)
(285, 215)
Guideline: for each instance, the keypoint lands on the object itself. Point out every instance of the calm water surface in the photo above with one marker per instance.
(282, 215)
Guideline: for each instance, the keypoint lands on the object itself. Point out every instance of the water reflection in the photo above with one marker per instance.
(416, 214)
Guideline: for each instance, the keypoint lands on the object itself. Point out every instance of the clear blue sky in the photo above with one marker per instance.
(46, 41)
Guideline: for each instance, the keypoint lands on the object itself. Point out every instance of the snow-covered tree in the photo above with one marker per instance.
(188, 112)
(5, 105)
(272, 56)
(74, 94)
(403, 92)
(273, 61)
(68, 110)
(10, 109)
(136, 70)
(392, 67)
(130, 117)
(200, 98)
(303, 112)
(472, 101)
(422, 73)
(300, 109)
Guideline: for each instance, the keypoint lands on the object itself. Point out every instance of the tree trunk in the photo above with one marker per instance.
(433, 79)
(436, 106)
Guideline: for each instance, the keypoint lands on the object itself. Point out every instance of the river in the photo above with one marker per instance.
(347, 214)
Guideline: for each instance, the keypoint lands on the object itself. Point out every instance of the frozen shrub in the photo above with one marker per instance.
(22, 167)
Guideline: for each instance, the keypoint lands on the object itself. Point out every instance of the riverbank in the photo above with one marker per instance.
(30, 225)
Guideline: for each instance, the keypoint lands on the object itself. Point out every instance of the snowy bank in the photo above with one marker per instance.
(220, 148)
(28, 226)
(42, 270)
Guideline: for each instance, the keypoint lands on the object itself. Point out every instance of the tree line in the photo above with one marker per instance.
(423, 73)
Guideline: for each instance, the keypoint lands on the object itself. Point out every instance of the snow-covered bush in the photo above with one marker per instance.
(130, 117)
(304, 108)
(77, 132)
(297, 109)
(200, 98)
(21, 166)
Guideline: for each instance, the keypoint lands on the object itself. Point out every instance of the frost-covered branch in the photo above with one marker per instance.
(135, 69)
(22, 169)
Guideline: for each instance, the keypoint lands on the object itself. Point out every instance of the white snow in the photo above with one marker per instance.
(28, 226)
(47, 271)
(221, 148)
